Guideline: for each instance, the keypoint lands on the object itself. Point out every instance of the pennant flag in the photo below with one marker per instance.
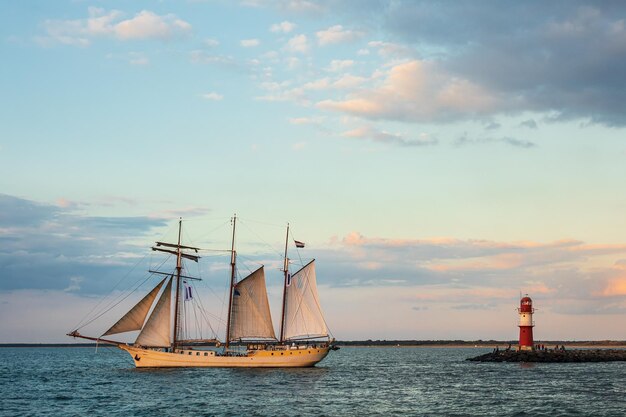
(188, 294)
(298, 244)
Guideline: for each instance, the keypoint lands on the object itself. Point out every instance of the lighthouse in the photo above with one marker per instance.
(526, 324)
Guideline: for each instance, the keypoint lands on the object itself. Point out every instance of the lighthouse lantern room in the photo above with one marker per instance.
(526, 323)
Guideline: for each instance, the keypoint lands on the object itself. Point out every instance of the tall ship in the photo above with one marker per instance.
(250, 340)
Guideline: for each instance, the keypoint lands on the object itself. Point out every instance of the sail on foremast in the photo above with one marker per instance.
(156, 332)
(136, 316)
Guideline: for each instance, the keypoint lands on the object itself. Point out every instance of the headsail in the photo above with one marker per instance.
(303, 314)
(250, 316)
(156, 332)
(134, 319)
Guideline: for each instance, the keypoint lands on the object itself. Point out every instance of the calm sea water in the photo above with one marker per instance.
(349, 382)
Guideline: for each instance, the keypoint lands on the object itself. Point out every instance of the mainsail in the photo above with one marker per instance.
(134, 319)
(156, 332)
(250, 317)
(303, 314)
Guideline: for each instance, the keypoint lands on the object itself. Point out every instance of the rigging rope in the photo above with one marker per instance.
(114, 302)
(263, 240)
(83, 322)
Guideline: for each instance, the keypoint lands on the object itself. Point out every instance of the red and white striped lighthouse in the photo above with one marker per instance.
(526, 324)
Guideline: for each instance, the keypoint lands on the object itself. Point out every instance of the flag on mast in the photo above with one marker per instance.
(298, 244)
(188, 294)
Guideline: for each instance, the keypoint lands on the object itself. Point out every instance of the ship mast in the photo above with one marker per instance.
(233, 260)
(286, 271)
(179, 266)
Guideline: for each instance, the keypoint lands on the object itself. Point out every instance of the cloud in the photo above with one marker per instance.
(138, 59)
(569, 276)
(531, 124)
(338, 65)
(547, 58)
(616, 284)
(56, 257)
(62, 202)
(204, 57)
(100, 23)
(306, 120)
(417, 91)
(283, 27)
(74, 284)
(44, 246)
(148, 25)
(183, 212)
(291, 6)
(389, 49)
(212, 96)
(462, 61)
(250, 43)
(349, 81)
(320, 84)
(370, 133)
(18, 212)
(301, 6)
(518, 143)
(492, 126)
(336, 34)
(292, 62)
(298, 43)
(284, 91)
(615, 287)
(210, 43)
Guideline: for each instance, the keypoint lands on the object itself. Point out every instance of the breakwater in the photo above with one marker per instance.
(556, 355)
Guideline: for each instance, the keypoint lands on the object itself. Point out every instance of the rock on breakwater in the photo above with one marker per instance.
(573, 355)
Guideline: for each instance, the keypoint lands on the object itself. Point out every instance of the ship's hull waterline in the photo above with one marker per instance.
(287, 358)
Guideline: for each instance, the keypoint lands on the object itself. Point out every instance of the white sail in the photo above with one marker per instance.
(250, 314)
(156, 332)
(303, 314)
(134, 319)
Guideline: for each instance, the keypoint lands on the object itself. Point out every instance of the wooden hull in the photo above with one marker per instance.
(301, 357)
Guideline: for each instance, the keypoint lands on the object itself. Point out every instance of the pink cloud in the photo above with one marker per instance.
(615, 287)
(417, 91)
(337, 34)
(100, 23)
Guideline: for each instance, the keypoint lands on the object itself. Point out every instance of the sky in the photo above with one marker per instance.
(438, 158)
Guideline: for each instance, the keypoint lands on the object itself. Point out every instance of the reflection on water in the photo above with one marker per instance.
(351, 381)
(527, 365)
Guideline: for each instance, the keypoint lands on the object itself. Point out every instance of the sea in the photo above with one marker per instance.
(353, 381)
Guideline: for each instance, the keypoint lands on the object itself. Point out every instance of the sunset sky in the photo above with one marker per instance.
(438, 158)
